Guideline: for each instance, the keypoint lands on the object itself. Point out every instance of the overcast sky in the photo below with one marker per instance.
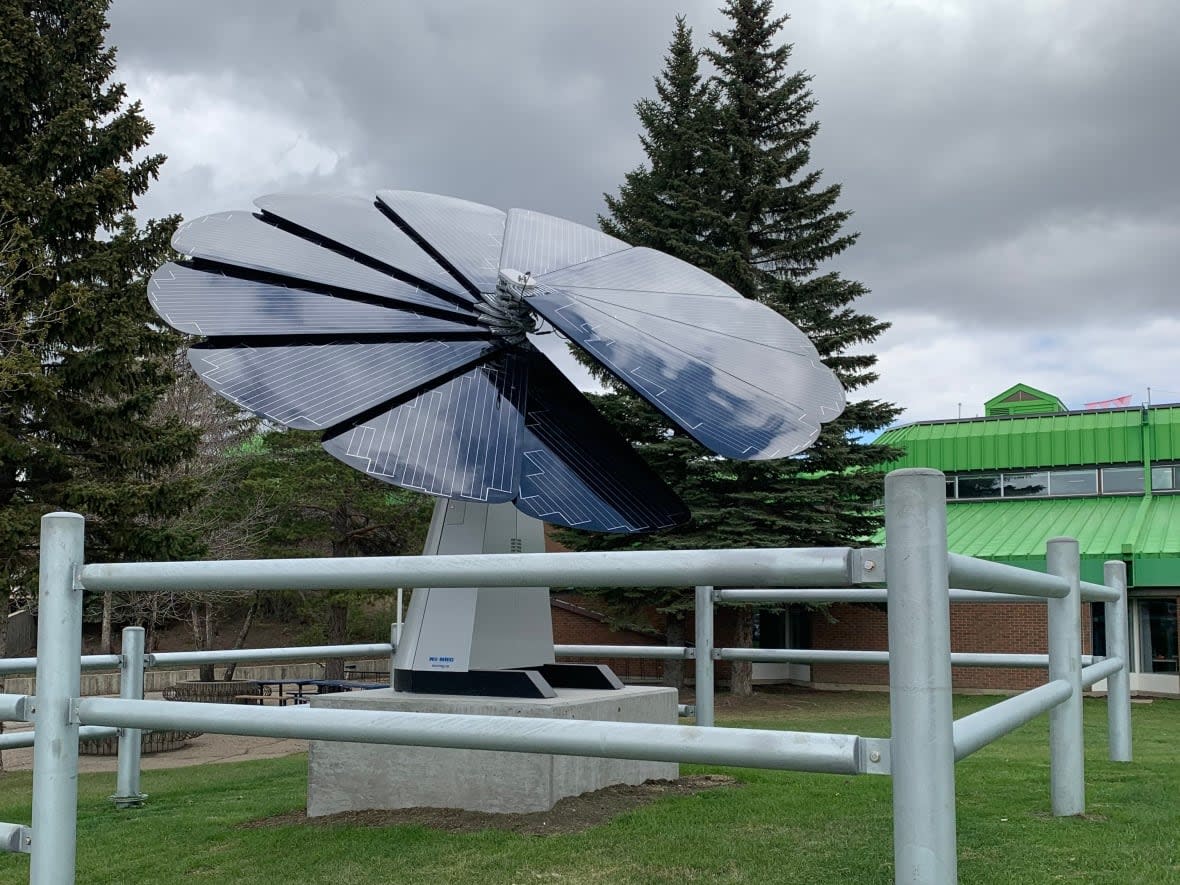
(1012, 165)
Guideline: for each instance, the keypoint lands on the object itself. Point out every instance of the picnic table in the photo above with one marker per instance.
(282, 692)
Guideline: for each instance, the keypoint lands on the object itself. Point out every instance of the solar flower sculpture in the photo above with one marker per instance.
(402, 328)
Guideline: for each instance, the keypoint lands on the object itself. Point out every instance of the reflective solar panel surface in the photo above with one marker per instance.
(381, 322)
(315, 386)
(459, 439)
(208, 302)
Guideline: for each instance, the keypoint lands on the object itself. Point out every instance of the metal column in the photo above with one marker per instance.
(1118, 685)
(59, 681)
(1067, 786)
(127, 793)
(704, 655)
(920, 713)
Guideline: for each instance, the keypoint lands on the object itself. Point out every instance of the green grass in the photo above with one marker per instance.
(777, 827)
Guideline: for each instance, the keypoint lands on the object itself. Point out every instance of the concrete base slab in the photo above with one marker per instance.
(355, 777)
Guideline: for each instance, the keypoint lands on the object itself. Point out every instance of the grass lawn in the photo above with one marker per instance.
(774, 827)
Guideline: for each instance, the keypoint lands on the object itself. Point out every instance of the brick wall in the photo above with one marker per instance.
(576, 623)
(1018, 628)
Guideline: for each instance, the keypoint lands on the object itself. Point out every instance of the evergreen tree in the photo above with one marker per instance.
(82, 360)
(728, 186)
(322, 507)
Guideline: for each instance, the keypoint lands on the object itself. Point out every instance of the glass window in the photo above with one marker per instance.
(1116, 480)
(798, 627)
(979, 486)
(1074, 482)
(1161, 479)
(950, 487)
(770, 629)
(1157, 635)
(1098, 628)
(1026, 485)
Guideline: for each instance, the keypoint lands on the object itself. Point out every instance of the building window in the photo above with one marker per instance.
(1162, 479)
(1026, 485)
(1157, 636)
(979, 486)
(1122, 480)
(1074, 482)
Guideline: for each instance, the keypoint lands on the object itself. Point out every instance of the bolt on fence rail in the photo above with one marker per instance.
(924, 744)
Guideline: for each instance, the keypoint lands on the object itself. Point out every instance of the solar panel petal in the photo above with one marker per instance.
(466, 236)
(727, 409)
(359, 225)
(540, 244)
(316, 386)
(204, 301)
(244, 240)
(578, 472)
(459, 439)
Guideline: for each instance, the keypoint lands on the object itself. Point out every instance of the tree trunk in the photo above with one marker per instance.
(200, 618)
(240, 639)
(337, 633)
(740, 672)
(674, 634)
(108, 605)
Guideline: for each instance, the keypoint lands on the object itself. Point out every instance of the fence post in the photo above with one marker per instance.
(920, 713)
(1067, 787)
(1118, 685)
(704, 655)
(127, 793)
(59, 681)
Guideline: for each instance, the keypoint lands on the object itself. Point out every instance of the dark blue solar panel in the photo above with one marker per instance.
(202, 302)
(578, 472)
(644, 270)
(459, 439)
(466, 236)
(316, 386)
(244, 240)
(727, 408)
(669, 317)
(357, 224)
(540, 244)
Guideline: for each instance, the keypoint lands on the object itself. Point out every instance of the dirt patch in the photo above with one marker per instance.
(571, 815)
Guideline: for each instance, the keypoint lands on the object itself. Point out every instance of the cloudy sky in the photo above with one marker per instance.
(1012, 165)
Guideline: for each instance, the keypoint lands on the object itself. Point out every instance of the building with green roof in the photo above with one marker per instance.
(1030, 470)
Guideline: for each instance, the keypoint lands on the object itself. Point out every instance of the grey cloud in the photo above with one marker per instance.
(1003, 160)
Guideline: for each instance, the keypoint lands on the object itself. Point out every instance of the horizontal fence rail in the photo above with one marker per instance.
(997, 577)
(801, 567)
(979, 729)
(176, 659)
(795, 750)
(18, 739)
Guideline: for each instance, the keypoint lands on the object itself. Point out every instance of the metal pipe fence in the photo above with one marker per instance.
(920, 754)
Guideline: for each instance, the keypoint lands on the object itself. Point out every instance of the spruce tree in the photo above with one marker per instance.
(728, 185)
(82, 358)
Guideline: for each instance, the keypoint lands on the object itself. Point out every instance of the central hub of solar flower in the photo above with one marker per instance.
(504, 311)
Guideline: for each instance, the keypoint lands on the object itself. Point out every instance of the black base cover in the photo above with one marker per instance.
(533, 682)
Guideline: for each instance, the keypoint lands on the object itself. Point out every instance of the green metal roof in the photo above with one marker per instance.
(1019, 529)
(1143, 531)
(1112, 436)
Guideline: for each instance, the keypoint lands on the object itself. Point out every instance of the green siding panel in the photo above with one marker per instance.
(1165, 434)
(1074, 439)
